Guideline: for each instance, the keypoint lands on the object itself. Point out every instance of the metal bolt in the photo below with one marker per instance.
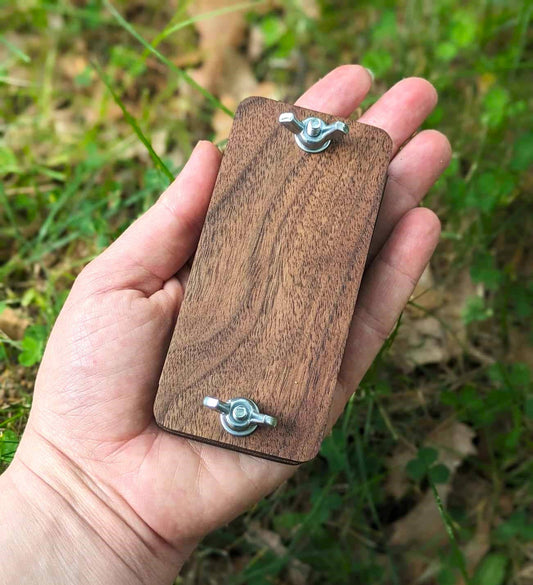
(239, 416)
(314, 126)
(312, 134)
(239, 412)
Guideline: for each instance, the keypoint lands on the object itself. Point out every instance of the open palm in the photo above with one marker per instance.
(92, 414)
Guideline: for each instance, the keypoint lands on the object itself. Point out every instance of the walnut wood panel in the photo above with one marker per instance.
(274, 282)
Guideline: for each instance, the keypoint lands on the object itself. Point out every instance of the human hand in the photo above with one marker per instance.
(91, 446)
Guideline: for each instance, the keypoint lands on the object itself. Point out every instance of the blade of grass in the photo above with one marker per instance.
(11, 342)
(10, 214)
(43, 250)
(371, 504)
(15, 82)
(172, 28)
(180, 72)
(458, 555)
(133, 123)
(72, 187)
(522, 28)
(14, 49)
(249, 573)
(10, 420)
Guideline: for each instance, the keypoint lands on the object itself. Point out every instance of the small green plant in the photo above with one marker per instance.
(425, 465)
(32, 345)
(8, 445)
(491, 570)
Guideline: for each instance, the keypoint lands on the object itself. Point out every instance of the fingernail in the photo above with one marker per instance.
(371, 73)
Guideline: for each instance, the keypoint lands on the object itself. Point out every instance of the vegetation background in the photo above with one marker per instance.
(428, 476)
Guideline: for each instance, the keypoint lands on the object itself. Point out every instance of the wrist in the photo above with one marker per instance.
(62, 527)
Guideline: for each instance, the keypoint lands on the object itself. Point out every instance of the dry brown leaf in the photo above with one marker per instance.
(297, 572)
(310, 8)
(219, 36)
(525, 576)
(225, 72)
(13, 323)
(424, 568)
(423, 527)
(256, 43)
(476, 548)
(520, 348)
(422, 337)
(423, 524)
(429, 532)
(222, 122)
(398, 483)
(14, 382)
(452, 439)
(238, 83)
(417, 568)
(73, 65)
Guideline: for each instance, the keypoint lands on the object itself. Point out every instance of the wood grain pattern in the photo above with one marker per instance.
(274, 282)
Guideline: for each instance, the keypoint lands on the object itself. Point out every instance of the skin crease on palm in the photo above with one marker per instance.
(91, 443)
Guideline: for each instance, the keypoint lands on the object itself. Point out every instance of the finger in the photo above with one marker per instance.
(387, 285)
(411, 173)
(159, 243)
(402, 109)
(170, 297)
(339, 92)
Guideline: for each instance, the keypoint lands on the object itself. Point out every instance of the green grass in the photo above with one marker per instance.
(85, 149)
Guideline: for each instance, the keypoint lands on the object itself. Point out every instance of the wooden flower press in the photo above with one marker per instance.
(254, 358)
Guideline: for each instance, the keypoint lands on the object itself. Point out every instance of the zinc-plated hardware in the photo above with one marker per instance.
(239, 416)
(312, 134)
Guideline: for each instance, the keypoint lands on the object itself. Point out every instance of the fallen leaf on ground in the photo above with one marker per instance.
(453, 440)
(422, 337)
(239, 83)
(13, 323)
(218, 36)
(297, 572)
(225, 72)
(525, 576)
(520, 348)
